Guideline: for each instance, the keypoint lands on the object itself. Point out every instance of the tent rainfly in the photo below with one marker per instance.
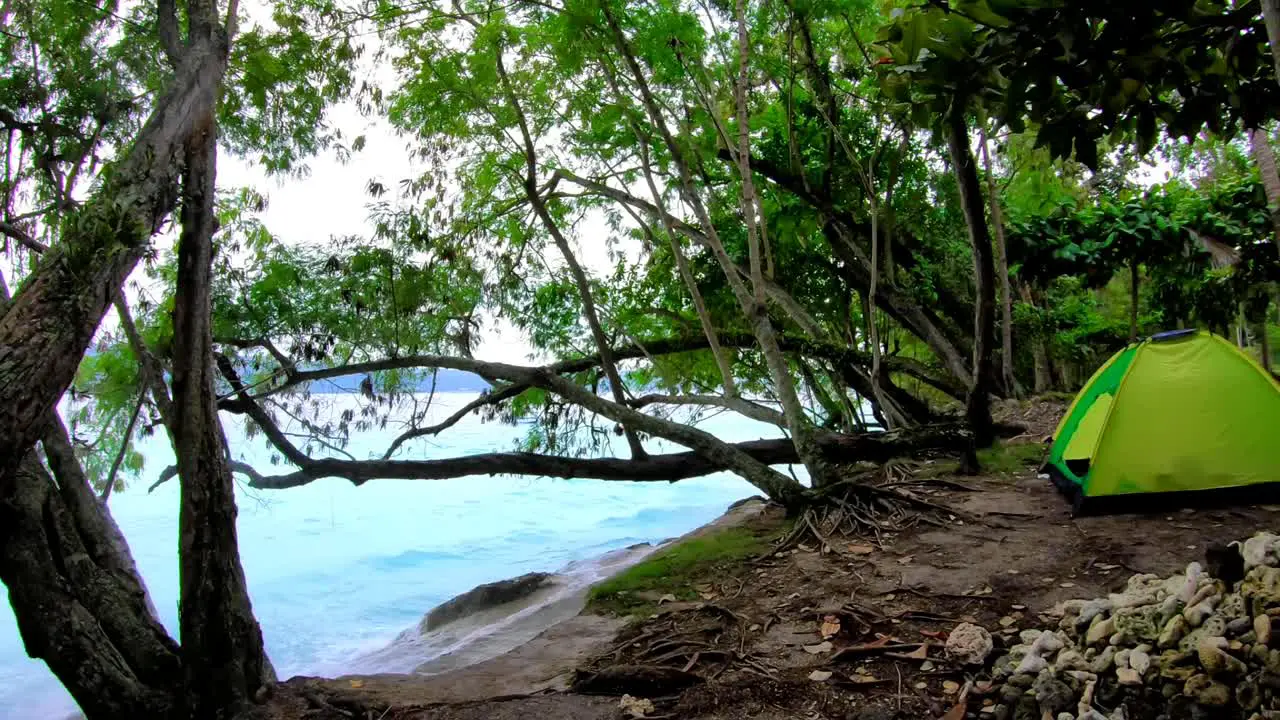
(1181, 417)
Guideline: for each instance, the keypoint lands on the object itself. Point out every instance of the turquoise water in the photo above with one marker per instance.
(336, 571)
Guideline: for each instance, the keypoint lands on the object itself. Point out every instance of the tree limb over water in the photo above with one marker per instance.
(669, 467)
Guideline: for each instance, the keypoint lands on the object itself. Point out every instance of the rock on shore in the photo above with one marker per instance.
(1186, 646)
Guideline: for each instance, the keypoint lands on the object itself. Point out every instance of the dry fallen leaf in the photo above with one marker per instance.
(906, 560)
(667, 598)
(950, 687)
(830, 626)
(863, 678)
(822, 647)
(820, 675)
(920, 653)
(1006, 621)
(357, 684)
(935, 634)
(860, 549)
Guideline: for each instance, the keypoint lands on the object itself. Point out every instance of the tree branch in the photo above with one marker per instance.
(124, 445)
(491, 398)
(22, 237)
(773, 483)
(668, 467)
(152, 375)
(744, 407)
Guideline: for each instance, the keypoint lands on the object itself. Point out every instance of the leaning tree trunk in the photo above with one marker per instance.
(223, 658)
(55, 313)
(756, 313)
(978, 403)
(1002, 267)
(755, 306)
(80, 604)
(580, 281)
(1260, 146)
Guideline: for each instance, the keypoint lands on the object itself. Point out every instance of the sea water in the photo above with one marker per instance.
(337, 572)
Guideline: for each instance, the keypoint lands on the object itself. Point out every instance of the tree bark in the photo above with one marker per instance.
(755, 312)
(682, 262)
(56, 311)
(50, 577)
(1039, 350)
(223, 658)
(666, 467)
(80, 603)
(1260, 146)
(777, 486)
(1264, 344)
(978, 404)
(1133, 301)
(1271, 17)
(1002, 267)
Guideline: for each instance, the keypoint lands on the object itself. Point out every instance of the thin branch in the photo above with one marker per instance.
(124, 445)
(742, 406)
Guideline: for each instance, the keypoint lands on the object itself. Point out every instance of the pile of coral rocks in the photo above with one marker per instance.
(1186, 646)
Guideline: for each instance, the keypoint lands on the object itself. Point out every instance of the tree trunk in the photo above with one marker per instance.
(1264, 344)
(580, 279)
(223, 658)
(589, 310)
(682, 262)
(56, 311)
(756, 312)
(1002, 268)
(106, 546)
(1271, 16)
(978, 404)
(1133, 301)
(50, 578)
(1039, 349)
(1260, 145)
(80, 603)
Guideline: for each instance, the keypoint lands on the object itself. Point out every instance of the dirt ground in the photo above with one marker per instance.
(1007, 552)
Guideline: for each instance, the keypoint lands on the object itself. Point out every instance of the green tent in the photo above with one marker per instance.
(1167, 419)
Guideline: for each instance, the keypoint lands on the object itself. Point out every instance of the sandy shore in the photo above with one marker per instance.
(558, 637)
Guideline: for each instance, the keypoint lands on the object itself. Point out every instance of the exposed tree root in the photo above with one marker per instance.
(868, 505)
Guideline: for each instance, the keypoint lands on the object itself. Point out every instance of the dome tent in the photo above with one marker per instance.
(1169, 420)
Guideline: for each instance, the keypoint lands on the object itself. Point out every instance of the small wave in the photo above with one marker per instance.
(644, 518)
(414, 558)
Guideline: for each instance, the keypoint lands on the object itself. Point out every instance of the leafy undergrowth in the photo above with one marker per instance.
(678, 571)
(1003, 458)
(1010, 458)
